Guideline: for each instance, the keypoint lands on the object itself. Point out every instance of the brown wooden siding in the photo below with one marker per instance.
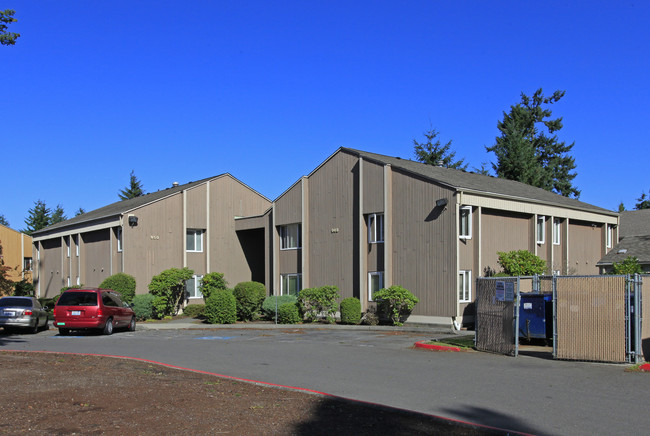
(375, 259)
(290, 261)
(288, 208)
(333, 225)
(196, 211)
(50, 275)
(373, 187)
(97, 250)
(585, 247)
(503, 231)
(15, 247)
(424, 244)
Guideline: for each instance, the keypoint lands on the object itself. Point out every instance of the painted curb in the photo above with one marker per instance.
(421, 344)
(645, 367)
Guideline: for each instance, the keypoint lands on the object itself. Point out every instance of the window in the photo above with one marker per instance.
(75, 241)
(290, 237)
(67, 246)
(465, 286)
(610, 234)
(78, 281)
(465, 224)
(119, 239)
(375, 283)
(290, 284)
(68, 282)
(27, 264)
(540, 229)
(557, 231)
(193, 287)
(194, 240)
(375, 227)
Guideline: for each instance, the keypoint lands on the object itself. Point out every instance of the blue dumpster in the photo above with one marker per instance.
(536, 316)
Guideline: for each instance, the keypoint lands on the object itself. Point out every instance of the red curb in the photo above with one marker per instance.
(645, 367)
(421, 344)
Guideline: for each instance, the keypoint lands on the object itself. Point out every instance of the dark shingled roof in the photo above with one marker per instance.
(462, 180)
(634, 223)
(637, 246)
(120, 207)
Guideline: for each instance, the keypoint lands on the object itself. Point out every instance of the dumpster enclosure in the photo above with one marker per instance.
(592, 318)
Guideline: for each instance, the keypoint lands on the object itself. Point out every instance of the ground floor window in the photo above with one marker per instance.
(290, 284)
(464, 286)
(375, 283)
(193, 287)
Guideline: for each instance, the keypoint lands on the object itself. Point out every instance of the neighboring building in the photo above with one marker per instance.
(190, 226)
(16, 253)
(363, 221)
(633, 240)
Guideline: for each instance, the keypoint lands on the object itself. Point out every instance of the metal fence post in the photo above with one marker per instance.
(516, 322)
(554, 288)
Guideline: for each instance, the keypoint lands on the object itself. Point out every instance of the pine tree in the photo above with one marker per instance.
(7, 17)
(643, 202)
(4, 221)
(528, 150)
(39, 218)
(80, 211)
(133, 190)
(58, 215)
(434, 153)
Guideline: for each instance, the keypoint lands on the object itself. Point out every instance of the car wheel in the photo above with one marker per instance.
(64, 332)
(132, 324)
(108, 327)
(47, 324)
(34, 330)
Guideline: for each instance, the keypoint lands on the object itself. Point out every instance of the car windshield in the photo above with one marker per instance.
(78, 299)
(15, 302)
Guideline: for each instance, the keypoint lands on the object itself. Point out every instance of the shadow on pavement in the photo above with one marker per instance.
(342, 416)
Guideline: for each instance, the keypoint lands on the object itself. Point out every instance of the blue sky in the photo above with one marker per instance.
(180, 91)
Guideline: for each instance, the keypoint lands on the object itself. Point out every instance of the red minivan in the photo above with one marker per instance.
(92, 308)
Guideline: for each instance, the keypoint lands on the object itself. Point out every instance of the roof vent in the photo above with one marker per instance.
(174, 184)
(622, 251)
(440, 163)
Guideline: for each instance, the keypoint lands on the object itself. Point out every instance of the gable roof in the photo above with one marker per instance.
(121, 207)
(637, 246)
(487, 185)
(634, 223)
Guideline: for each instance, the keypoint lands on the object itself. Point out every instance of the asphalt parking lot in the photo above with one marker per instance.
(528, 393)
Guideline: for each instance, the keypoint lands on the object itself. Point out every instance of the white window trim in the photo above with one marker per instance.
(198, 237)
(119, 239)
(469, 222)
(282, 277)
(75, 240)
(381, 282)
(197, 287)
(373, 237)
(466, 283)
(557, 231)
(609, 237)
(67, 246)
(537, 233)
(284, 232)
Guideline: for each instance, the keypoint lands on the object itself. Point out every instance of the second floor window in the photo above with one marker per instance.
(610, 235)
(541, 234)
(557, 231)
(465, 223)
(375, 227)
(290, 236)
(194, 240)
(119, 239)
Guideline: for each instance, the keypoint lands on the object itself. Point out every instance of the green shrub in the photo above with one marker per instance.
(269, 305)
(521, 263)
(396, 302)
(316, 301)
(169, 289)
(123, 284)
(350, 311)
(194, 310)
(289, 313)
(630, 265)
(143, 306)
(47, 303)
(24, 289)
(213, 282)
(249, 296)
(221, 308)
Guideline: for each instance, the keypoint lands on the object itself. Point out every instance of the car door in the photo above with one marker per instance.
(121, 317)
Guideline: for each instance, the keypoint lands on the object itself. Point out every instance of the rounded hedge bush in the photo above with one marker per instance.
(396, 303)
(249, 296)
(289, 313)
(221, 308)
(213, 282)
(350, 311)
(143, 306)
(123, 284)
(269, 305)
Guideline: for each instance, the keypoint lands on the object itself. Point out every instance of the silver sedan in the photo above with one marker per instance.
(22, 312)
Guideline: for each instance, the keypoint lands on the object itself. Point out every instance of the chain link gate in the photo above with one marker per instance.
(497, 315)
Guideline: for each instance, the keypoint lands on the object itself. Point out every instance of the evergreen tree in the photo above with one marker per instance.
(643, 202)
(133, 190)
(58, 215)
(80, 211)
(4, 221)
(434, 153)
(621, 207)
(7, 17)
(39, 218)
(528, 149)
